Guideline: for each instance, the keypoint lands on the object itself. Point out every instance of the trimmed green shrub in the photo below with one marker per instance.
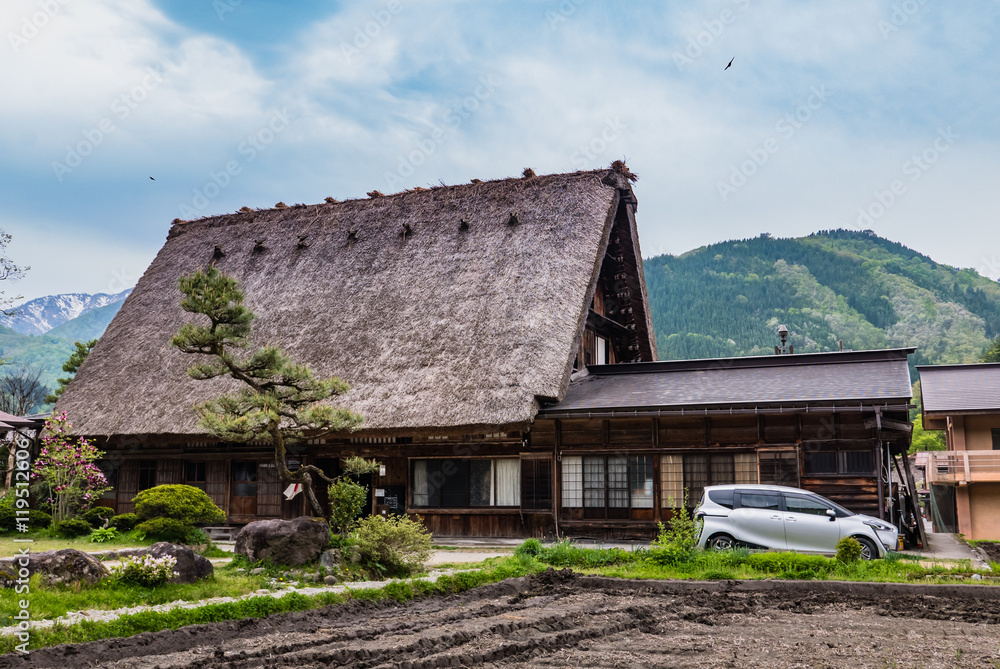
(72, 528)
(96, 515)
(848, 550)
(347, 498)
(125, 522)
(184, 503)
(395, 546)
(168, 529)
(36, 519)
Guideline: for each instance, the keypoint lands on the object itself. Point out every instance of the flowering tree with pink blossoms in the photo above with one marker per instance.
(66, 467)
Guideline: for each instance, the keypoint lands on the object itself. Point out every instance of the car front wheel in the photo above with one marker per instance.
(721, 542)
(868, 549)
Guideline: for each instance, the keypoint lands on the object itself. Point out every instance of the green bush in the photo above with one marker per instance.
(101, 534)
(36, 519)
(848, 550)
(347, 498)
(72, 528)
(530, 548)
(125, 522)
(168, 529)
(395, 546)
(96, 515)
(184, 503)
(676, 543)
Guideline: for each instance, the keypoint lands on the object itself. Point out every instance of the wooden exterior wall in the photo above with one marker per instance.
(773, 443)
(790, 437)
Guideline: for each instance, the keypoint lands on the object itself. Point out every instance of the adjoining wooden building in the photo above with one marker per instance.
(459, 316)
(964, 481)
(631, 440)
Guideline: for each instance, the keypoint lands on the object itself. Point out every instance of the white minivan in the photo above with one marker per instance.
(786, 519)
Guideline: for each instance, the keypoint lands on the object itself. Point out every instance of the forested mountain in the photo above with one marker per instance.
(728, 299)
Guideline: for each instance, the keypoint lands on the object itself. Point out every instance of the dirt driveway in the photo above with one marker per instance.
(559, 619)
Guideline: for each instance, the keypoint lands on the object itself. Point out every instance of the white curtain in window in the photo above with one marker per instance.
(618, 482)
(745, 466)
(508, 488)
(671, 481)
(572, 481)
(420, 491)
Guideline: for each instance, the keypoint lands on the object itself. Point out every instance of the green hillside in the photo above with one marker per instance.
(48, 352)
(44, 352)
(728, 299)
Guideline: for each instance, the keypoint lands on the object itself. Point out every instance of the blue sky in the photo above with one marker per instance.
(866, 114)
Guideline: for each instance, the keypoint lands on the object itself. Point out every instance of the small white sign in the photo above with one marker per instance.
(380, 492)
(293, 490)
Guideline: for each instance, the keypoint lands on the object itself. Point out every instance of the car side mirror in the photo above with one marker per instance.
(832, 514)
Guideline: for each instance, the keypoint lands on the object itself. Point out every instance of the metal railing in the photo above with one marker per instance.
(963, 467)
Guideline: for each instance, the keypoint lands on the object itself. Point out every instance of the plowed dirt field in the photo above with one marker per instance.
(559, 619)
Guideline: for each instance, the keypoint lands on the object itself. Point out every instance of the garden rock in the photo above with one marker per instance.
(190, 566)
(330, 559)
(257, 571)
(287, 542)
(57, 568)
(330, 580)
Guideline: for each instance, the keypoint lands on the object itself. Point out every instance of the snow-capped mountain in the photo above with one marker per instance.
(40, 315)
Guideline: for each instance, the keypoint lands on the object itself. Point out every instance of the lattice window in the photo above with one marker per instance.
(572, 481)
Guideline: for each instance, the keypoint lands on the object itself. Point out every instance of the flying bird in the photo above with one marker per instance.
(152, 179)
(730, 64)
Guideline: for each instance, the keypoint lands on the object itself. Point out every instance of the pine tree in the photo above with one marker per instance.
(71, 366)
(992, 353)
(283, 402)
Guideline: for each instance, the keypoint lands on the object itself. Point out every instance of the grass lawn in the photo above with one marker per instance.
(742, 564)
(52, 602)
(41, 544)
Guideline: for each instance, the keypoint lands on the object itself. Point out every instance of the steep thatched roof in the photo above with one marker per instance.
(443, 308)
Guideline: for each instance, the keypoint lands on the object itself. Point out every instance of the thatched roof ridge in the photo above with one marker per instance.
(438, 310)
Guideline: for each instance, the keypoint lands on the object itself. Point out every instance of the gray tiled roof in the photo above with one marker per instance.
(826, 377)
(960, 388)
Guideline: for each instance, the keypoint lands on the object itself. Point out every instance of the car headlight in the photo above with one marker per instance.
(879, 527)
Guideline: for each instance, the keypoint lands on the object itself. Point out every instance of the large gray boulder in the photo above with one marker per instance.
(60, 567)
(289, 542)
(190, 566)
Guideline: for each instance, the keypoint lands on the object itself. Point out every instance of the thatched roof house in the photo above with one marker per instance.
(447, 310)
